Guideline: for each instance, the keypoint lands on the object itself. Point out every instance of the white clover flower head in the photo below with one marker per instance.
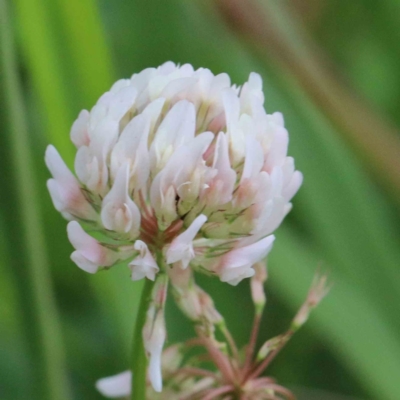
(178, 162)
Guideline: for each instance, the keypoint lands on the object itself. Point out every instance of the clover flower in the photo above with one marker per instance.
(176, 170)
(177, 161)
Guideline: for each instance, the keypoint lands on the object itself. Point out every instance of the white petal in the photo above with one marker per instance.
(131, 148)
(254, 158)
(290, 190)
(231, 106)
(181, 248)
(278, 149)
(57, 166)
(115, 386)
(220, 188)
(144, 264)
(177, 128)
(154, 345)
(83, 263)
(236, 264)
(79, 130)
(88, 249)
(119, 212)
(65, 189)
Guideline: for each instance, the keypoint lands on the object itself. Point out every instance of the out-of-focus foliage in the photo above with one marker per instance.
(66, 53)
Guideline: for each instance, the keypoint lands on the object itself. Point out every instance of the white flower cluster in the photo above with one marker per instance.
(180, 163)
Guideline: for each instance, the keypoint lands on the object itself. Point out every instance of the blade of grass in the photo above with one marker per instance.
(83, 42)
(51, 346)
(41, 56)
(276, 36)
(87, 46)
(349, 321)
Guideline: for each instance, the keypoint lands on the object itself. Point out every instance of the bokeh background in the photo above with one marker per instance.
(331, 66)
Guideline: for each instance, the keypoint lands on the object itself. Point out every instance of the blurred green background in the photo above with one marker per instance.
(331, 66)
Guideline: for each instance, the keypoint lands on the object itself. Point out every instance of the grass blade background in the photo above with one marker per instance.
(62, 95)
(50, 347)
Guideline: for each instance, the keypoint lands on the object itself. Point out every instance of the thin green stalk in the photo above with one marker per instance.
(139, 359)
(37, 268)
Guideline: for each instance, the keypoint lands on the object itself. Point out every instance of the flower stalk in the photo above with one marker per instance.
(139, 359)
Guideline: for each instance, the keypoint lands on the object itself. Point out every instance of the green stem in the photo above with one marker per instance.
(51, 357)
(139, 359)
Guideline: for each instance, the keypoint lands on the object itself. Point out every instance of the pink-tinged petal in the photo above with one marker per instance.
(79, 130)
(119, 212)
(163, 200)
(234, 276)
(83, 263)
(65, 189)
(115, 386)
(143, 265)
(91, 161)
(189, 179)
(237, 134)
(269, 215)
(89, 252)
(252, 191)
(181, 248)
(57, 166)
(237, 264)
(221, 186)
(182, 175)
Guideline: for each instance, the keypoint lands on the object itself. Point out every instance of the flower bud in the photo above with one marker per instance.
(257, 286)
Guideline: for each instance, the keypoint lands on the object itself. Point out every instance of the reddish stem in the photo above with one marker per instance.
(220, 360)
(213, 393)
(197, 372)
(231, 342)
(264, 364)
(253, 340)
(281, 390)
